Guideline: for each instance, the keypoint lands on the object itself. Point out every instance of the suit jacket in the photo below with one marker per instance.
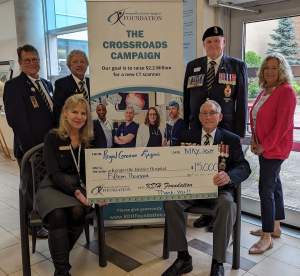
(234, 111)
(237, 167)
(100, 139)
(275, 122)
(30, 124)
(64, 88)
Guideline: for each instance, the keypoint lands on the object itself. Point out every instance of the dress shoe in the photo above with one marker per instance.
(202, 221)
(179, 267)
(259, 247)
(258, 232)
(217, 270)
(211, 225)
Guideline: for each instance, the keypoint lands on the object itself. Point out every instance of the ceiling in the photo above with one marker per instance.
(245, 3)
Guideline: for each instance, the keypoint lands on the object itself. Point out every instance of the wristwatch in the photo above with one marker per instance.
(230, 182)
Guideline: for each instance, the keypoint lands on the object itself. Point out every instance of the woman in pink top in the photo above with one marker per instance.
(272, 126)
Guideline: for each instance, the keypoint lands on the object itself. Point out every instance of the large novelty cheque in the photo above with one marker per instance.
(151, 174)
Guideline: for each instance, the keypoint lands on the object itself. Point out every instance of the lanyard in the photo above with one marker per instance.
(77, 165)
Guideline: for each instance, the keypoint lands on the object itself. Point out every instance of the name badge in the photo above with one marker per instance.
(197, 69)
(196, 81)
(64, 148)
(80, 95)
(34, 102)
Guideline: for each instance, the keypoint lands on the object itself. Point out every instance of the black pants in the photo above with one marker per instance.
(270, 192)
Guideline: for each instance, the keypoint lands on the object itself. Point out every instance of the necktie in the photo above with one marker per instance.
(207, 136)
(210, 75)
(83, 91)
(43, 94)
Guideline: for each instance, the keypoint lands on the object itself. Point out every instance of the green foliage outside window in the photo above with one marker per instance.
(296, 87)
(252, 59)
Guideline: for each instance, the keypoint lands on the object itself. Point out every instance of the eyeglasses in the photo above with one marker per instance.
(152, 114)
(211, 114)
(27, 60)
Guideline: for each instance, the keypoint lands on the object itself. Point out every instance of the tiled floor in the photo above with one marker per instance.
(135, 251)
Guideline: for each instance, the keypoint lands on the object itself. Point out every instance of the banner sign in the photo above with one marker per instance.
(135, 60)
(151, 174)
(135, 46)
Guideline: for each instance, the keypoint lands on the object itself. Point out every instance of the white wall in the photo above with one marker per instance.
(8, 46)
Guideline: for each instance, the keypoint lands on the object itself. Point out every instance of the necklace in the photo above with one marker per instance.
(269, 90)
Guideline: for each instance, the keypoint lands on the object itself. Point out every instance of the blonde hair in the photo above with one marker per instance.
(86, 133)
(74, 53)
(285, 71)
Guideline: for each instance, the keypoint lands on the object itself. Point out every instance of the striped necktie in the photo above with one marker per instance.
(210, 75)
(83, 91)
(43, 94)
(207, 136)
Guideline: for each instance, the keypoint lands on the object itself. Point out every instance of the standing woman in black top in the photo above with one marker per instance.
(61, 200)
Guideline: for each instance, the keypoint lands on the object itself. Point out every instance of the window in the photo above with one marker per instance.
(280, 35)
(65, 13)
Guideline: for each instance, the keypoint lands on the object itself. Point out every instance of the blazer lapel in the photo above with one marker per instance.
(34, 92)
(218, 137)
(199, 136)
(74, 87)
(47, 88)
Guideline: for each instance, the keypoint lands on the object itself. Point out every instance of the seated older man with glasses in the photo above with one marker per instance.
(233, 169)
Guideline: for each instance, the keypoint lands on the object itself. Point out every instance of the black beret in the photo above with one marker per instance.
(213, 31)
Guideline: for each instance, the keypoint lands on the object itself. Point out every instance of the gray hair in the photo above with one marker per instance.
(285, 71)
(74, 53)
(219, 109)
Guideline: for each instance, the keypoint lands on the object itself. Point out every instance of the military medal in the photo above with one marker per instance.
(227, 93)
(233, 79)
(34, 102)
(222, 150)
(222, 164)
(226, 149)
(32, 89)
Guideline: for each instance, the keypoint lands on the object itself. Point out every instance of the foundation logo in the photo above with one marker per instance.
(116, 17)
(121, 16)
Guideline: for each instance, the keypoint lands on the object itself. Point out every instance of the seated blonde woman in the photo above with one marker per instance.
(61, 200)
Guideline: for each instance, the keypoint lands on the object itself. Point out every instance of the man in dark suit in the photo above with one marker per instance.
(103, 129)
(220, 78)
(28, 107)
(233, 169)
(76, 83)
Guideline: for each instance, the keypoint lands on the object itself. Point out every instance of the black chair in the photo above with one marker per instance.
(204, 210)
(33, 161)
